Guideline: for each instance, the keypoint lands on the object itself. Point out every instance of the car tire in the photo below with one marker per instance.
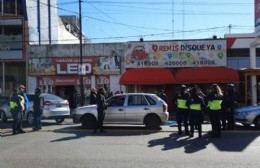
(89, 121)
(257, 122)
(30, 118)
(152, 122)
(59, 120)
(246, 125)
(3, 117)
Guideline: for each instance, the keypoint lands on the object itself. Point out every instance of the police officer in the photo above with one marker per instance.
(180, 101)
(163, 96)
(196, 104)
(229, 104)
(16, 108)
(37, 109)
(101, 107)
(93, 96)
(214, 103)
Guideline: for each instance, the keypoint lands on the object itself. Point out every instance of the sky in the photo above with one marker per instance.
(105, 21)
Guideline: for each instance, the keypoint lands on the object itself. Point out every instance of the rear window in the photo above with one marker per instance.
(51, 97)
(151, 100)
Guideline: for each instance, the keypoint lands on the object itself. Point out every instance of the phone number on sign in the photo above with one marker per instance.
(176, 63)
(206, 62)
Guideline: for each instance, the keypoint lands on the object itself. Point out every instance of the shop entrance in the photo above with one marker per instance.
(68, 93)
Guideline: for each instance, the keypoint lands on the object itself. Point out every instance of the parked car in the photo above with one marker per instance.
(128, 108)
(54, 107)
(248, 115)
(4, 106)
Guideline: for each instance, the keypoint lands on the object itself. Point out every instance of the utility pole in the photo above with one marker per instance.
(81, 62)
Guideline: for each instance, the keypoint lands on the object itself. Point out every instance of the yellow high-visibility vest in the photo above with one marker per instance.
(13, 104)
(215, 104)
(195, 107)
(181, 103)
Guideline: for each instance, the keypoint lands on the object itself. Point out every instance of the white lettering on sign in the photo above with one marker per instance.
(72, 69)
(102, 80)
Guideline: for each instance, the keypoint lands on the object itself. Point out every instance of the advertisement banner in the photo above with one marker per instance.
(70, 66)
(176, 54)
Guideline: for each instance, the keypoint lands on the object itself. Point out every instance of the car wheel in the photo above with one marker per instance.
(257, 122)
(59, 120)
(246, 125)
(89, 121)
(30, 118)
(152, 122)
(3, 116)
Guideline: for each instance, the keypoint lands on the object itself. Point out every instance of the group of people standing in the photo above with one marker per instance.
(192, 104)
(19, 103)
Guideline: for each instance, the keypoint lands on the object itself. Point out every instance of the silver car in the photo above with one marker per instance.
(54, 107)
(248, 115)
(129, 108)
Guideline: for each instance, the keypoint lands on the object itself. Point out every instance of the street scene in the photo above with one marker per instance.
(148, 83)
(69, 145)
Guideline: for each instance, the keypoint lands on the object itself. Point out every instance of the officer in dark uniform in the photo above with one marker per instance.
(16, 108)
(180, 101)
(196, 105)
(37, 109)
(229, 104)
(214, 103)
(93, 96)
(163, 96)
(101, 107)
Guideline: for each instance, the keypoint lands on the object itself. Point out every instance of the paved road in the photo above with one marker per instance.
(69, 126)
(69, 146)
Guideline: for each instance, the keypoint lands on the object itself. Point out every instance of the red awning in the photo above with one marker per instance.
(147, 76)
(207, 75)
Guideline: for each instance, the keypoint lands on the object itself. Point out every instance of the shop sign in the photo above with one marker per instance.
(101, 80)
(95, 65)
(63, 80)
(176, 54)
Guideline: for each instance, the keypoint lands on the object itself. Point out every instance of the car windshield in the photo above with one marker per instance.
(51, 97)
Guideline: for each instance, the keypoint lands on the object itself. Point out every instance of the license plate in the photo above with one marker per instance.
(58, 105)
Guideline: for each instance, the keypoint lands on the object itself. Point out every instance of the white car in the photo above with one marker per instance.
(248, 115)
(54, 107)
(128, 108)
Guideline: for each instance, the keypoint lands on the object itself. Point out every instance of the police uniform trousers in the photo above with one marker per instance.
(182, 116)
(195, 118)
(215, 116)
(101, 116)
(17, 121)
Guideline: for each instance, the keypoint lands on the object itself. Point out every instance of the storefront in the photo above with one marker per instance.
(151, 66)
(59, 75)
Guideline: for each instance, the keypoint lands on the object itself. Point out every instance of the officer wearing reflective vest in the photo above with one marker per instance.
(196, 104)
(214, 104)
(16, 108)
(180, 100)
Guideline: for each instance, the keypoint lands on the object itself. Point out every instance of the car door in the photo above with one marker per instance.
(137, 108)
(115, 112)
